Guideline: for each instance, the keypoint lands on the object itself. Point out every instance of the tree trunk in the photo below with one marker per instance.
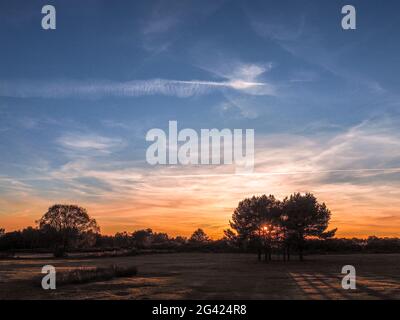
(301, 246)
(259, 254)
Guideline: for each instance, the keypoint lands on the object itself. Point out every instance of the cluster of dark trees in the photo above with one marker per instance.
(47, 239)
(66, 228)
(263, 225)
(147, 239)
(62, 227)
(272, 225)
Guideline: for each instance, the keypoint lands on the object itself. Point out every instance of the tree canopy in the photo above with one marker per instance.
(67, 224)
(199, 237)
(305, 217)
(266, 222)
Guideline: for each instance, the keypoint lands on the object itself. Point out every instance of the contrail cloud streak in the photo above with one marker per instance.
(98, 89)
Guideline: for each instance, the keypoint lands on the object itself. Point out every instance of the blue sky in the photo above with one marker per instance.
(76, 103)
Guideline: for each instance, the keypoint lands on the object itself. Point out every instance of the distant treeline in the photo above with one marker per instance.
(44, 240)
(36, 239)
(262, 224)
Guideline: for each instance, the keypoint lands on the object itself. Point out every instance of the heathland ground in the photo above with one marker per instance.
(211, 276)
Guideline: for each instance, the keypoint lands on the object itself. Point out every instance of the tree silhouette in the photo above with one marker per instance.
(199, 237)
(123, 240)
(2, 232)
(142, 238)
(180, 240)
(160, 238)
(255, 221)
(269, 224)
(304, 217)
(231, 237)
(66, 225)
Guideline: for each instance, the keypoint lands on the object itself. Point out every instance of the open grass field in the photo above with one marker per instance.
(212, 276)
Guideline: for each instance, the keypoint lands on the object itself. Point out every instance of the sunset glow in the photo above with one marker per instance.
(77, 102)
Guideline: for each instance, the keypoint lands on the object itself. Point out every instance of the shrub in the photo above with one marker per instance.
(59, 253)
(7, 255)
(84, 275)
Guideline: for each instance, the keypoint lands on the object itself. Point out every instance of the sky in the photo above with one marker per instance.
(76, 104)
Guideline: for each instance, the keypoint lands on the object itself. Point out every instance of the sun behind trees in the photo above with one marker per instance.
(268, 224)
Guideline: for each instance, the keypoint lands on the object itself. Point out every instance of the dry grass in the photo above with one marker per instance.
(210, 276)
(6, 255)
(93, 274)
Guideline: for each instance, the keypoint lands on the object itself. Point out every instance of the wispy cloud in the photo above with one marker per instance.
(98, 89)
(250, 78)
(242, 76)
(166, 22)
(355, 172)
(303, 40)
(82, 143)
(247, 71)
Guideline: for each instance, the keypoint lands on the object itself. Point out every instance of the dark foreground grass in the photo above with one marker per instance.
(201, 276)
(93, 274)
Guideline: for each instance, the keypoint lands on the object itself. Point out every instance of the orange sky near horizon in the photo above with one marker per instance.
(351, 218)
(315, 108)
(178, 200)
